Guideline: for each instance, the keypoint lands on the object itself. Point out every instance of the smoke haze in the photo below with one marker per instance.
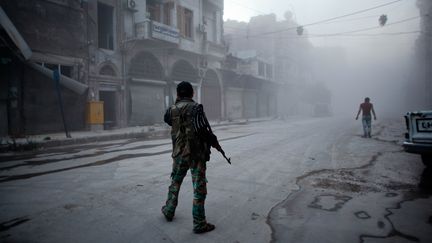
(375, 63)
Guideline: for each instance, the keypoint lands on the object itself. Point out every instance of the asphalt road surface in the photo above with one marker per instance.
(300, 180)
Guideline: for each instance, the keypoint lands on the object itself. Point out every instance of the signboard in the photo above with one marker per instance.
(165, 32)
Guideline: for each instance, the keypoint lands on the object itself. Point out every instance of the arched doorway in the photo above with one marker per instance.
(184, 71)
(108, 93)
(250, 97)
(107, 70)
(211, 95)
(147, 90)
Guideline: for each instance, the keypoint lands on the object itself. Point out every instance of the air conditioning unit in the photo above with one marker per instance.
(131, 4)
(202, 28)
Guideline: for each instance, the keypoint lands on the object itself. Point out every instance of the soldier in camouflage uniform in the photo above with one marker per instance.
(192, 139)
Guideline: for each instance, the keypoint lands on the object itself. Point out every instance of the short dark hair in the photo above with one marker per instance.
(184, 89)
(367, 99)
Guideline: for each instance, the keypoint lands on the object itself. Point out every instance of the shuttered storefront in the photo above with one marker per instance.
(234, 103)
(233, 94)
(273, 104)
(263, 104)
(252, 87)
(147, 90)
(211, 96)
(250, 103)
(148, 103)
(184, 71)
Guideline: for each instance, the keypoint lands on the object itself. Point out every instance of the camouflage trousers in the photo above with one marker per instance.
(179, 171)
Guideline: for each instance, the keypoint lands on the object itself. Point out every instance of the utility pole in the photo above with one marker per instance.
(428, 57)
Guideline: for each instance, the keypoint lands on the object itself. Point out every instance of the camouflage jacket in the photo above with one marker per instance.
(190, 133)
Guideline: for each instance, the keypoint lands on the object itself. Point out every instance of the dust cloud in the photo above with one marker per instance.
(344, 48)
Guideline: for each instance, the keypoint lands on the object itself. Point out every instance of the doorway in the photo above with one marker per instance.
(109, 99)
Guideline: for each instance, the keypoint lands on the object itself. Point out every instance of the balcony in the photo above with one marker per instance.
(142, 29)
(213, 49)
(218, 3)
(154, 30)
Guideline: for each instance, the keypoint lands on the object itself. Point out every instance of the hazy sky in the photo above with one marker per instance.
(376, 62)
(309, 11)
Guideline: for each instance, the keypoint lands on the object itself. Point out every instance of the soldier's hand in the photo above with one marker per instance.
(217, 146)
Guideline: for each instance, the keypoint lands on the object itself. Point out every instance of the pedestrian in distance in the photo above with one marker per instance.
(366, 108)
(192, 138)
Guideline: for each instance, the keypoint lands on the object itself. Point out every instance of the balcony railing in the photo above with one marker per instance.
(214, 49)
(218, 3)
(142, 29)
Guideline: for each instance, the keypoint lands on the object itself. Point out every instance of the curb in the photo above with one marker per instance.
(163, 133)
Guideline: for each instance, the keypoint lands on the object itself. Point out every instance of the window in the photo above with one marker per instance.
(167, 9)
(269, 71)
(154, 9)
(64, 69)
(188, 15)
(105, 26)
(261, 68)
(185, 21)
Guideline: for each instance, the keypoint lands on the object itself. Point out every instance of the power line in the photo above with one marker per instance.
(331, 22)
(369, 35)
(353, 19)
(342, 33)
(388, 34)
(326, 20)
(247, 7)
(379, 27)
(353, 13)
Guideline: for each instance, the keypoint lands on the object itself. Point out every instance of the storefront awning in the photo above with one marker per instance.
(15, 36)
(67, 82)
(27, 53)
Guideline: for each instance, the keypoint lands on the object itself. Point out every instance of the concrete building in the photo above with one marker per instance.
(249, 86)
(37, 37)
(167, 42)
(423, 68)
(130, 54)
(278, 42)
(144, 48)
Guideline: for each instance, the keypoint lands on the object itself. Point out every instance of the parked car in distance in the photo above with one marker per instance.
(418, 139)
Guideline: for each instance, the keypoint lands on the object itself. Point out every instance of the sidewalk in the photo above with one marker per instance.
(77, 137)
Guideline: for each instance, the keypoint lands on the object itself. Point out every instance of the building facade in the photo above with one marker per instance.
(168, 42)
(291, 55)
(422, 71)
(38, 37)
(249, 86)
(130, 55)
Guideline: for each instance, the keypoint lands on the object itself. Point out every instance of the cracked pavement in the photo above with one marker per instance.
(300, 180)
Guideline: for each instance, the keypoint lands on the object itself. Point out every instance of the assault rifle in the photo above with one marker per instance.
(223, 154)
(215, 141)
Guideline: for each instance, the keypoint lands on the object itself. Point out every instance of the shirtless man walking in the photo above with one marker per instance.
(366, 109)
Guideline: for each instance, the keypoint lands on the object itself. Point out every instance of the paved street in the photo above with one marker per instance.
(300, 180)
